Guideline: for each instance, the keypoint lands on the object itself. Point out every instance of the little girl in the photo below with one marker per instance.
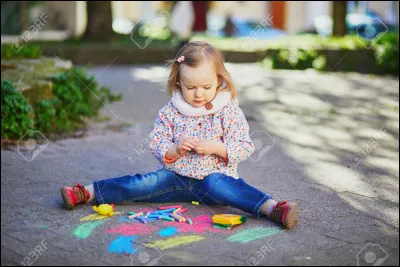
(199, 138)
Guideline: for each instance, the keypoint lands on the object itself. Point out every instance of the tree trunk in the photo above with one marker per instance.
(339, 18)
(99, 21)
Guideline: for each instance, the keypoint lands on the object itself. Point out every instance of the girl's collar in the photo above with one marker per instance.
(220, 100)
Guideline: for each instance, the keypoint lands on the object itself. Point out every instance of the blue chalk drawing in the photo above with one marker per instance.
(170, 231)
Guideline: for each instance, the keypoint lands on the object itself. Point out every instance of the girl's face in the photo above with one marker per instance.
(199, 84)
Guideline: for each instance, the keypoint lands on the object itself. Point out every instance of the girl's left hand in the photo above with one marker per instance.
(206, 147)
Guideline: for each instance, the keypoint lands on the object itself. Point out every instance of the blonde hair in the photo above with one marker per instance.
(194, 53)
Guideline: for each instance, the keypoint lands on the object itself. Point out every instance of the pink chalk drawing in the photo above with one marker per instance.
(134, 229)
(201, 224)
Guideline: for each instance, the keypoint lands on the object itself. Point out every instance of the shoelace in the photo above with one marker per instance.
(80, 191)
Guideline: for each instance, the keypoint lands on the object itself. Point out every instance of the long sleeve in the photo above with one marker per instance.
(161, 136)
(236, 135)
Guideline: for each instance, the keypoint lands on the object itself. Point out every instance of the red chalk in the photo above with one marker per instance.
(183, 210)
(170, 207)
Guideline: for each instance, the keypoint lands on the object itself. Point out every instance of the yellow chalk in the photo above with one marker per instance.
(179, 218)
(182, 218)
(135, 215)
(195, 203)
(176, 211)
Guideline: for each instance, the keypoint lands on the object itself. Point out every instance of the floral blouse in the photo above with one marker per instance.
(227, 125)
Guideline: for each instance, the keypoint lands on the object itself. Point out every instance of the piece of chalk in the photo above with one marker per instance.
(166, 211)
(176, 211)
(170, 207)
(189, 221)
(147, 215)
(195, 203)
(221, 227)
(131, 213)
(166, 218)
(142, 219)
(183, 218)
(183, 210)
(179, 218)
(135, 215)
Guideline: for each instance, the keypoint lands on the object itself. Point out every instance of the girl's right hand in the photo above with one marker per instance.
(186, 144)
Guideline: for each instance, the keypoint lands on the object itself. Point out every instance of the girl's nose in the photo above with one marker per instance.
(197, 93)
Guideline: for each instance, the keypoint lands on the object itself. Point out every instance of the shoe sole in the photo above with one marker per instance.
(292, 215)
(66, 199)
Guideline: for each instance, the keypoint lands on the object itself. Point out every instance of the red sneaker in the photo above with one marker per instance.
(285, 213)
(74, 195)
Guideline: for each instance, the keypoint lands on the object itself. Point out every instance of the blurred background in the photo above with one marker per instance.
(69, 19)
(41, 40)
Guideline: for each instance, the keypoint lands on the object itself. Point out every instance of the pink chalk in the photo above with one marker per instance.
(131, 229)
(183, 210)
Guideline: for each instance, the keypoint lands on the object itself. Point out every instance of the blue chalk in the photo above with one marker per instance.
(164, 211)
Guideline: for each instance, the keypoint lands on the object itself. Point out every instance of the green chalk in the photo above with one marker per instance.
(131, 213)
(221, 226)
(167, 218)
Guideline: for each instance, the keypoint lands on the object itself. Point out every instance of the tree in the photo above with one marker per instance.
(99, 21)
(339, 18)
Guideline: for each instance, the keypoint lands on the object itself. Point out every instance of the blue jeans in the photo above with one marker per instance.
(167, 186)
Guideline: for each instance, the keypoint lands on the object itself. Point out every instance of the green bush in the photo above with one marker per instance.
(45, 115)
(15, 112)
(306, 53)
(387, 53)
(9, 51)
(76, 95)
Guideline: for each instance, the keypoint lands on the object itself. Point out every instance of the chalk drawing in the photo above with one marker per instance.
(201, 224)
(248, 235)
(167, 232)
(96, 216)
(175, 241)
(122, 245)
(85, 230)
(133, 229)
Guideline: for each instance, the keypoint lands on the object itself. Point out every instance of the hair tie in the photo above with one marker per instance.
(180, 59)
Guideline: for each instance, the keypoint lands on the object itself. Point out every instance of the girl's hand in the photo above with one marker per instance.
(206, 147)
(186, 144)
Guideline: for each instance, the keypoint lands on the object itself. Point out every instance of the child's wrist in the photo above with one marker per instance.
(220, 149)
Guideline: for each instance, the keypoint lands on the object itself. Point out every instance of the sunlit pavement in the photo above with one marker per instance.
(329, 141)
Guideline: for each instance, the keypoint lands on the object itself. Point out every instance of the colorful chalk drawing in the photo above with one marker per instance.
(175, 242)
(96, 216)
(167, 232)
(85, 230)
(201, 224)
(122, 245)
(134, 229)
(248, 235)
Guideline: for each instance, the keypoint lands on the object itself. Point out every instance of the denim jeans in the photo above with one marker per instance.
(167, 186)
